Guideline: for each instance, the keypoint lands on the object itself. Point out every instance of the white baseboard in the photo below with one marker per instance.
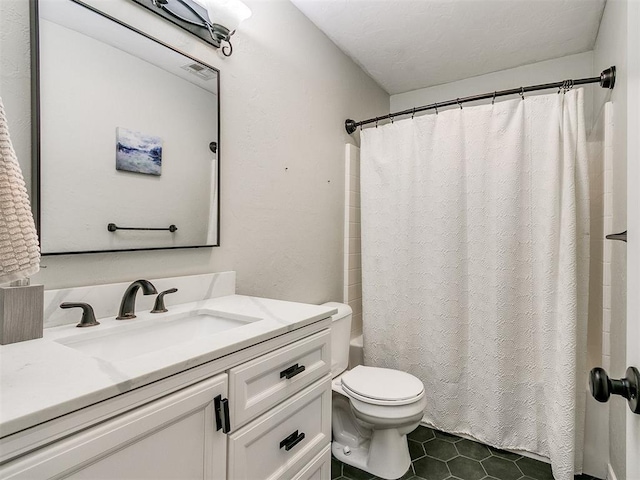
(611, 475)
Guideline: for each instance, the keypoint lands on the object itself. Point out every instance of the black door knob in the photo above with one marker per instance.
(602, 387)
(600, 384)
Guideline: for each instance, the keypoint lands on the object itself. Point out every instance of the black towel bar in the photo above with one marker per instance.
(112, 227)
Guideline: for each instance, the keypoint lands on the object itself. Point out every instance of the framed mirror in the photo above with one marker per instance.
(127, 134)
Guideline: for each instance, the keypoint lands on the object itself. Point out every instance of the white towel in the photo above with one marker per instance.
(19, 252)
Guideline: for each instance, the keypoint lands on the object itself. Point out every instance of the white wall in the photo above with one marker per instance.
(15, 76)
(285, 94)
(88, 89)
(611, 49)
(572, 66)
(633, 224)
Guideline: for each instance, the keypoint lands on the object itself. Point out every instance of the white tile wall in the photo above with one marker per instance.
(607, 198)
(601, 184)
(352, 259)
(596, 192)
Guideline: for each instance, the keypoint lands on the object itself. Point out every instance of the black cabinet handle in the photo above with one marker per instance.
(292, 440)
(292, 371)
(221, 407)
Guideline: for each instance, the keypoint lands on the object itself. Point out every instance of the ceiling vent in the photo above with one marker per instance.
(201, 71)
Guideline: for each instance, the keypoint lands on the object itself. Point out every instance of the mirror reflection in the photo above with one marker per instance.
(128, 138)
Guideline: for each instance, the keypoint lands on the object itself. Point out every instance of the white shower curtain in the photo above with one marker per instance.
(475, 245)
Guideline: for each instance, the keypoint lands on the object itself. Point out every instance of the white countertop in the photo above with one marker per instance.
(43, 379)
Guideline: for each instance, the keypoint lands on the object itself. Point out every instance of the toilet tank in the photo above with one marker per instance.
(340, 336)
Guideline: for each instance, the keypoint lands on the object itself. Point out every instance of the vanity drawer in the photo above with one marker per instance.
(319, 468)
(260, 384)
(301, 424)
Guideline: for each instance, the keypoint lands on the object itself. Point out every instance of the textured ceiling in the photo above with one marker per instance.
(409, 44)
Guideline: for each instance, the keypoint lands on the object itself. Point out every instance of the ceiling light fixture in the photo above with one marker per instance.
(220, 17)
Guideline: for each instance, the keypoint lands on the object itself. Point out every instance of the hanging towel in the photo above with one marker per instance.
(19, 252)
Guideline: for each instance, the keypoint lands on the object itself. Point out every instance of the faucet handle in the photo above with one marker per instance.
(159, 307)
(88, 317)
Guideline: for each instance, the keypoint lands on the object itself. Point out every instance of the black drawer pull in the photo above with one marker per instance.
(292, 371)
(292, 440)
(221, 407)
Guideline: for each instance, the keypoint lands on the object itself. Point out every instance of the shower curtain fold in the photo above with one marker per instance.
(475, 245)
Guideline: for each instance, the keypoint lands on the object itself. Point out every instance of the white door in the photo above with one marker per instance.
(633, 219)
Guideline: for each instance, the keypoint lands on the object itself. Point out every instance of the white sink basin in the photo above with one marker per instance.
(132, 340)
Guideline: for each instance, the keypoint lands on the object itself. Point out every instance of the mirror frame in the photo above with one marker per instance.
(36, 154)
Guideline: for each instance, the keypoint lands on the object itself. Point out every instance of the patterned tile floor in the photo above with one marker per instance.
(438, 455)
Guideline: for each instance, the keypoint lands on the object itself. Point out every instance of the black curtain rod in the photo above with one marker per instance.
(607, 79)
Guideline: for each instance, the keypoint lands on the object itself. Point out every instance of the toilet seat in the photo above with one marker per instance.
(382, 386)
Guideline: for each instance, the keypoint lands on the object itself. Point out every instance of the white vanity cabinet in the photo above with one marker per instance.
(276, 423)
(173, 437)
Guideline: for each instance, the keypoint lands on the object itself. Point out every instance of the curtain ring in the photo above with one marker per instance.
(391, 119)
(459, 104)
(436, 108)
(566, 86)
(376, 122)
(413, 114)
(522, 92)
(494, 98)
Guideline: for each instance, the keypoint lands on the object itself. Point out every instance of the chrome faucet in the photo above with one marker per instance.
(128, 304)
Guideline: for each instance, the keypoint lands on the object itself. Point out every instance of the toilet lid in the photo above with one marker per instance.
(383, 384)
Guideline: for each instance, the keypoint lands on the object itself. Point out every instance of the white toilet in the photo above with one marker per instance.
(373, 408)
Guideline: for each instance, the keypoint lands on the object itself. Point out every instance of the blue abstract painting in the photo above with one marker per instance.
(138, 152)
